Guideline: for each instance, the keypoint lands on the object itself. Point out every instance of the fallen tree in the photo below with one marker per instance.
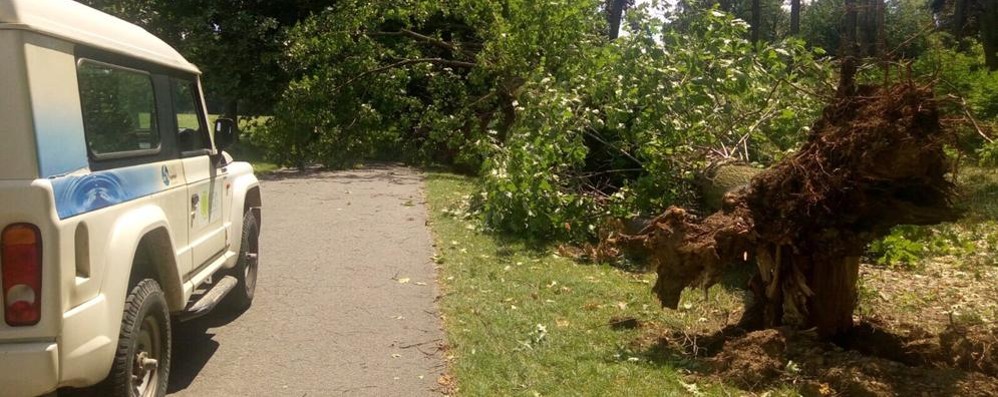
(721, 178)
(873, 161)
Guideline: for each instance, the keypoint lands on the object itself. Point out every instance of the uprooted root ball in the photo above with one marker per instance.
(873, 161)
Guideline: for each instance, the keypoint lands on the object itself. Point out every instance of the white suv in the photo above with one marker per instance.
(119, 211)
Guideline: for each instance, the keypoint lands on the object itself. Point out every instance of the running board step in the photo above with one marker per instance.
(210, 299)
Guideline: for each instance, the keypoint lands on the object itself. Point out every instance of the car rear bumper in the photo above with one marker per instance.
(28, 369)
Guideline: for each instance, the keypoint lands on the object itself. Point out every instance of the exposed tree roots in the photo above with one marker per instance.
(873, 161)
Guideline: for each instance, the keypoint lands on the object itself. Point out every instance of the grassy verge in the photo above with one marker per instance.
(264, 168)
(252, 155)
(243, 152)
(524, 321)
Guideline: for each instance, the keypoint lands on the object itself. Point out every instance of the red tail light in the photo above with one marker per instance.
(21, 263)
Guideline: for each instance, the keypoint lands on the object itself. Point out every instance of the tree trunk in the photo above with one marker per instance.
(809, 291)
(989, 33)
(833, 281)
(232, 112)
(847, 83)
(881, 28)
(867, 21)
(727, 6)
(794, 17)
(880, 49)
(756, 21)
(960, 19)
(717, 181)
(614, 15)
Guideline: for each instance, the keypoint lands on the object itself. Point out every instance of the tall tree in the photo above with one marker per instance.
(756, 20)
(959, 23)
(238, 44)
(870, 21)
(989, 33)
(794, 17)
(965, 18)
(900, 27)
(849, 50)
(615, 14)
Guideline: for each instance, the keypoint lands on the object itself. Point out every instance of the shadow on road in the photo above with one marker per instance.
(193, 347)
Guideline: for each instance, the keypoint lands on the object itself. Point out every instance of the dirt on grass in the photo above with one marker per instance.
(760, 358)
(869, 361)
(959, 362)
(940, 292)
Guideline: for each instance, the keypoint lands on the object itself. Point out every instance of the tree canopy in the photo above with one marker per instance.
(238, 44)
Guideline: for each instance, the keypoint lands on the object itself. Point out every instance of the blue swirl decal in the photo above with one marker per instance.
(79, 194)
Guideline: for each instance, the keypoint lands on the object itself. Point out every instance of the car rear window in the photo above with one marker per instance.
(119, 110)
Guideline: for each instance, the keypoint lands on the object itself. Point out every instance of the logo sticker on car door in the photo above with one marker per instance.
(206, 205)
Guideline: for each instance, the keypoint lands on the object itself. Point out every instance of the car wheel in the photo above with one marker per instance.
(247, 266)
(141, 365)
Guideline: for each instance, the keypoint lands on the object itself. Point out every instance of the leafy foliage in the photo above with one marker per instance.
(630, 135)
(236, 43)
(968, 244)
(429, 79)
(569, 129)
(965, 18)
(774, 20)
(900, 248)
(971, 90)
(961, 73)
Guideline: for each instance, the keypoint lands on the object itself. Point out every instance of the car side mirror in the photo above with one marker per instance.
(225, 133)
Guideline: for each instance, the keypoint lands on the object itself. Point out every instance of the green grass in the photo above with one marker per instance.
(523, 321)
(242, 152)
(254, 156)
(979, 192)
(263, 167)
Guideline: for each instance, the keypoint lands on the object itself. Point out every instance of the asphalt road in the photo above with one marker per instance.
(344, 303)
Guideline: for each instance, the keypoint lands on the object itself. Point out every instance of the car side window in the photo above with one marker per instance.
(191, 132)
(119, 110)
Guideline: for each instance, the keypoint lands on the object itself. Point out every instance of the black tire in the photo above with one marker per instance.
(247, 267)
(145, 335)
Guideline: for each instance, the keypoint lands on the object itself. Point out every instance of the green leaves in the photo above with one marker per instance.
(237, 44)
(898, 249)
(569, 129)
(530, 187)
(661, 101)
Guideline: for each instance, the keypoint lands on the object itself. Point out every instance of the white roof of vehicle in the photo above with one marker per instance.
(78, 23)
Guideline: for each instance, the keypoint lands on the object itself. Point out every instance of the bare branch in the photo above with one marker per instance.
(588, 131)
(424, 38)
(970, 116)
(436, 61)
(431, 40)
